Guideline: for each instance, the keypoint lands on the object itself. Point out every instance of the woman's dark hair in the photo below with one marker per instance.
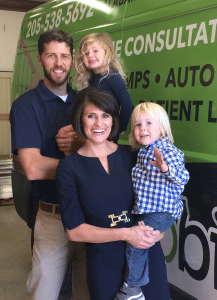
(101, 99)
(54, 35)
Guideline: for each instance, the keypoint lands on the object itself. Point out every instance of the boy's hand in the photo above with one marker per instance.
(159, 161)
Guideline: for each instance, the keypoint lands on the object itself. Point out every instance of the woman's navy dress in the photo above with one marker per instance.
(88, 194)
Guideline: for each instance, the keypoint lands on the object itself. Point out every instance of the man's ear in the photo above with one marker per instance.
(39, 60)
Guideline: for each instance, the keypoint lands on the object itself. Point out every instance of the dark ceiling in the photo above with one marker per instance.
(20, 5)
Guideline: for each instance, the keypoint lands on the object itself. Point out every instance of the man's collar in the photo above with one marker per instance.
(47, 95)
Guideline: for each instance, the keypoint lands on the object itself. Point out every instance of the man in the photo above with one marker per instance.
(36, 117)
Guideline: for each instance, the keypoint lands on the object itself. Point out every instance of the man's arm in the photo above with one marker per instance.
(36, 166)
(39, 167)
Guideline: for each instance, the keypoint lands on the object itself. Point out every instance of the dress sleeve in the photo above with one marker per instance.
(119, 90)
(67, 192)
(177, 172)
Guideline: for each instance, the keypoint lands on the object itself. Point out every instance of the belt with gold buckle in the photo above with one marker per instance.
(116, 219)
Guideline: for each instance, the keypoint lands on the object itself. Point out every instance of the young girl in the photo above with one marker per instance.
(158, 181)
(97, 64)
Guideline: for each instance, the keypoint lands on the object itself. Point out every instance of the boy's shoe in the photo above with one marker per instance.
(130, 293)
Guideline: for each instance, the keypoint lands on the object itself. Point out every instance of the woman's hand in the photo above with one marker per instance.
(137, 236)
(155, 234)
(141, 236)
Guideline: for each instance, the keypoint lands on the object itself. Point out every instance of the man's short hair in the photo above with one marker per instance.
(103, 100)
(54, 35)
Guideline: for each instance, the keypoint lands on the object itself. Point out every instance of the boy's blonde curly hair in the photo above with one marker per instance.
(158, 113)
(111, 60)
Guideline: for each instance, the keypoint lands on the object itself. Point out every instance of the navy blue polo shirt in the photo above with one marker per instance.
(36, 116)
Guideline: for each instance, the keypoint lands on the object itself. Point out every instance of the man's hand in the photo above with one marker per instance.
(68, 141)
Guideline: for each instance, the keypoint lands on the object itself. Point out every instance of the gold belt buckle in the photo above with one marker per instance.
(119, 218)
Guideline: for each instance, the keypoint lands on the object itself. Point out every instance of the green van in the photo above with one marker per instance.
(169, 49)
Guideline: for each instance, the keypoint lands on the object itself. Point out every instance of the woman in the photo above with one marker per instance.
(96, 196)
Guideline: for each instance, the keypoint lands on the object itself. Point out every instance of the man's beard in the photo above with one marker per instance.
(57, 82)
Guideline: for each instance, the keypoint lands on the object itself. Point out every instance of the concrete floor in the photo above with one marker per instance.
(15, 258)
(15, 254)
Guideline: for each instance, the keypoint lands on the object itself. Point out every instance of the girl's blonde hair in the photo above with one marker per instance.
(111, 60)
(158, 113)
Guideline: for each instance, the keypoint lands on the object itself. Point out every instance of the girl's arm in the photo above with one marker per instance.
(135, 235)
(119, 90)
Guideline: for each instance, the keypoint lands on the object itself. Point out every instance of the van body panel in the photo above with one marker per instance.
(169, 50)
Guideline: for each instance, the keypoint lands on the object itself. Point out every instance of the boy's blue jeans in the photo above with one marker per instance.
(137, 269)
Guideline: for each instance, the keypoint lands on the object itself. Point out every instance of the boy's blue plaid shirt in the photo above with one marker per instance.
(157, 191)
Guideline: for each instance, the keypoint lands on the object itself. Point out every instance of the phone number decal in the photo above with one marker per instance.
(54, 19)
